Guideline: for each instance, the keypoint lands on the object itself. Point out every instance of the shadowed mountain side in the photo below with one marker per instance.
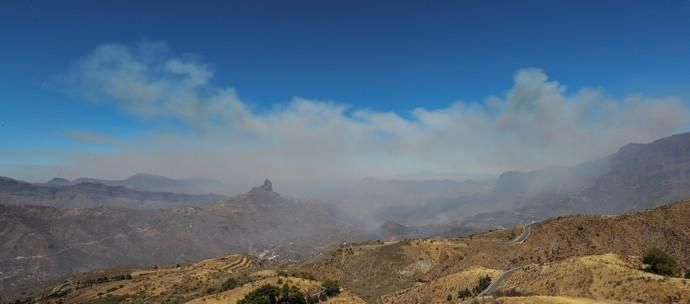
(637, 177)
(640, 176)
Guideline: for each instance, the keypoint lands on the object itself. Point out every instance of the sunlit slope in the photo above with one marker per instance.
(376, 271)
(599, 277)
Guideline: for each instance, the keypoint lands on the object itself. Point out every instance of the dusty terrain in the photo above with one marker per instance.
(196, 283)
(599, 277)
(575, 259)
(427, 268)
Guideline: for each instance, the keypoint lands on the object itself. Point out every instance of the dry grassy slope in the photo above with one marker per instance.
(548, 300)
(167, 284)
(373, 271)
(305, 285)
(600, 277)
(436, 291)
(370, 270)
(195, 283)
(667, 228)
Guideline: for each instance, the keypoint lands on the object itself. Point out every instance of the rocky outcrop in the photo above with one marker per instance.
(267, 186)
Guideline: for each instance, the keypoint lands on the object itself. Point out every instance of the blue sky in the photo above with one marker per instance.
(385, 57)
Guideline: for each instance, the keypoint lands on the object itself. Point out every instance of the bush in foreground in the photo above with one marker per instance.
(331, 288)
(269, 294)
(483, 283)
(660, 263)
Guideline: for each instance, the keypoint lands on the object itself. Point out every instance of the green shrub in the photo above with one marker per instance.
(231, 283)
(465, 293)
(266, 294)
(483, 283)
(660, 263)
(331, 288)
(269, 294)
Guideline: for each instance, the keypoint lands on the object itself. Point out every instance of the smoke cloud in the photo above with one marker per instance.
(537, 122)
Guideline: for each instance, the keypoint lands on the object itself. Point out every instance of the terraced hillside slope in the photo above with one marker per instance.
(219, 280)
(428, 271)
(39, 243)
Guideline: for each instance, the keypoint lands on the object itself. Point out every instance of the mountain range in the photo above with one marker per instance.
(90, 194)
(156, 183)
(43, 242)
(636, 177)
(64, 227)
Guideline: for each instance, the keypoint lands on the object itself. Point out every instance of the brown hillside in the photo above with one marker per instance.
(602, 277)
(197, 283)
(372, 271)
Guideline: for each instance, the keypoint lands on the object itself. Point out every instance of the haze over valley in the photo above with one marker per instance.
(346, 153)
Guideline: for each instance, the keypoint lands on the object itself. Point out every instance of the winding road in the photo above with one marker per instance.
(526, 230)
(494, 283)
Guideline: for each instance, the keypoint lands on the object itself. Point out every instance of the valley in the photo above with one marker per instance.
(572, 259)
(544, 223)
(344, 152)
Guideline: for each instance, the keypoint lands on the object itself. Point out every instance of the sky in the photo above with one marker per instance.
(304, 91)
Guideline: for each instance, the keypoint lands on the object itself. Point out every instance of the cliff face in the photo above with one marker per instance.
(640, 176)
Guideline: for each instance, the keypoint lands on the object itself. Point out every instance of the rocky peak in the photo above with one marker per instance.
(267, 186)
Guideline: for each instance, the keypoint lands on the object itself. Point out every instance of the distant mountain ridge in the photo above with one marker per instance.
(89, 194)
(640, 176)
(41, 242)
(636, 177)
(157, 183)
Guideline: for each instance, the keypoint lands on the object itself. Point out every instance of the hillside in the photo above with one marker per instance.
(606, 276)
(569, 260)
(224, 279)
(379, 271)
(39, 243)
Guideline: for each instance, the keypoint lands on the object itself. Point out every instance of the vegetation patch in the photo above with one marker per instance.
(660, 263)
(269, 294)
